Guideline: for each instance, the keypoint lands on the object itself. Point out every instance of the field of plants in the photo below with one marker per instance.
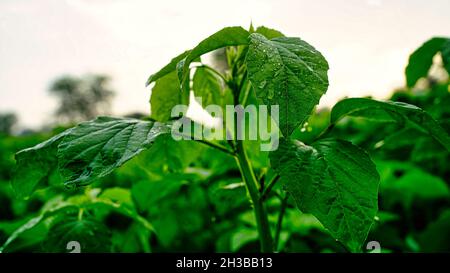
(364, 176)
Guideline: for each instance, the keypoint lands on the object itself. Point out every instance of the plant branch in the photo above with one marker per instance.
(280, 221)
(211, 144)
(326, 131)
(247, 89)
(217, 146)
(270, 185)
(217, 73)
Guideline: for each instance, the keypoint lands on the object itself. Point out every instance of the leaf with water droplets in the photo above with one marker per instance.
(170, 67)
(389, 111)
(293, 70)
(333, 180)
(269, 33)
(95, 148)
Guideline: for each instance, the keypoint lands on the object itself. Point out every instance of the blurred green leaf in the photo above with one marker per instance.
(403, 183)
(445, 53)
(120, 195)
(436, 237)
(92, 235)
(169, 155)
(147, 193)
(35, 221)
(242, 237)
(393, 112)
(421, 60)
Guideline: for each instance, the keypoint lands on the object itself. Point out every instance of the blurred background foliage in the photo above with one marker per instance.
(186, 197)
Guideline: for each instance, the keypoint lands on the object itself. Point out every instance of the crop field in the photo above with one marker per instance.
(273, 173)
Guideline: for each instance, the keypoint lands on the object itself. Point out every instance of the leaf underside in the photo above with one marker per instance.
(391, 111)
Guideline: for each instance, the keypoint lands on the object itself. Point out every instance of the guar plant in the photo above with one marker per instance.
(330, 178)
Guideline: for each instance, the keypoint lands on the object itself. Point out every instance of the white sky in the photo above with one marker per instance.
(367, 42)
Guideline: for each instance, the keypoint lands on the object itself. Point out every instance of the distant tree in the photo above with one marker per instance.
(136, 115)
(7, 123)
(82, 98)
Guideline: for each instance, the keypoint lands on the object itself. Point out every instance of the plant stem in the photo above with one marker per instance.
(280, 221)
(253, 188)
(216, 146)
(326, 131)
(217, 73)
(249, 178)
(270, 185)
(212, 144)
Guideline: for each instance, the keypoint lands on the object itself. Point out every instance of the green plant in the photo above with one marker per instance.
(330, 178)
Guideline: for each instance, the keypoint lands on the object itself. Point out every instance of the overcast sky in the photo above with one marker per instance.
(367, 42)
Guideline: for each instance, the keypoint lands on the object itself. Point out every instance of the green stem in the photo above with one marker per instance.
(211, 144)
(217, 73)
(326, 131)
(270, 185)
(80, 214)
(246, 94)
(249, 178)
(253, 188)
(216, 146)
(280, 222)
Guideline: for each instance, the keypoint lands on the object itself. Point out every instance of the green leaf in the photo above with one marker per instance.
(95, 148)
(93, 236)
(120, 195)
(170, 67)
(185, 82)
(228, 196)
(35, 221)
(121, 208)
(208, 86)
(269, 33)
(287, 72)
(446, 55)
(170, 156)
(333, 180)
(421, 60)
(34, 165)
(165, 95)
(436, 237)
(229, 36)
(391, 111)
(147, 194)
(403, 183)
